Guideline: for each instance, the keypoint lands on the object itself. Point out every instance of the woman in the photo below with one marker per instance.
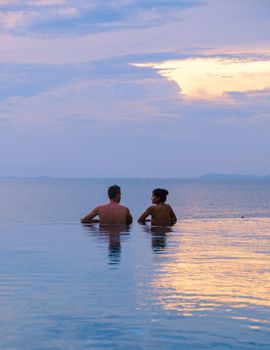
(161, 213)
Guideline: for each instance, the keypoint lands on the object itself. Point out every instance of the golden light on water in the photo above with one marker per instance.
(216, 264)
(213, 78)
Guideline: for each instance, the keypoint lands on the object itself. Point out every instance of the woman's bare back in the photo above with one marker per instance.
(161, 215)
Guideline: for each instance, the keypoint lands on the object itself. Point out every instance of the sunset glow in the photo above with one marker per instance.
(213, 269)
(214, 78)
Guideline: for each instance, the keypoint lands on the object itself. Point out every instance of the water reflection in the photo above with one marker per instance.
(217, 264)
(159, 237)
(112, 235)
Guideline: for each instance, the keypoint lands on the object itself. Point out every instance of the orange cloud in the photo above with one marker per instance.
(213, 78)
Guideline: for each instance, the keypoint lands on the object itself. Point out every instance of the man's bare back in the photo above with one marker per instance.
(111, 213)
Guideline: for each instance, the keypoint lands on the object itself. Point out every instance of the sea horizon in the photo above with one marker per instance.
(208, 176)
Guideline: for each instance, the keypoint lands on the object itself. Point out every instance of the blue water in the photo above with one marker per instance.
(203, 284)
(66, 200)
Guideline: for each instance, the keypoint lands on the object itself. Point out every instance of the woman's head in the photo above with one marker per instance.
(159, 195)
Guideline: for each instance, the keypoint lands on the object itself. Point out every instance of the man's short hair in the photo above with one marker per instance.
(113, 191)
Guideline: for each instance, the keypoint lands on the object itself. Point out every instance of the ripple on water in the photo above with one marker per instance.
(203, 284)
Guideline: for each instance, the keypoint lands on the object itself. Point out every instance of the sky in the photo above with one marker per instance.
(134, 88)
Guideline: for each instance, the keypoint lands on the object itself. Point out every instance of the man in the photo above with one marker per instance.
(111, 213)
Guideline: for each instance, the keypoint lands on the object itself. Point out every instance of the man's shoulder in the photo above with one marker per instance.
(123, 206)
(101, 206)
(112, 205)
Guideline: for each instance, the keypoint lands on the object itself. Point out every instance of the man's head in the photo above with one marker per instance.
(114, 192)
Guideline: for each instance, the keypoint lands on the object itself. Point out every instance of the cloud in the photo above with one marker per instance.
(85, 48)
(248, 20)
(8, 2)
(10, 20)
(82, 31)
(215, 78)
(72, 17)
(65, 70)
(122, 97)
(46, 2)
(97, 102)
(21, 20)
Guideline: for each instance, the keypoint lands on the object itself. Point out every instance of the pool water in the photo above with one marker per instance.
(203, 284)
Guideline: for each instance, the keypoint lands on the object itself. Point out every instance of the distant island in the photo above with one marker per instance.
(233, 177)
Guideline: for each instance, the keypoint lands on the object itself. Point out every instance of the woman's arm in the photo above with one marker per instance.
(172, 216)
(144, 215)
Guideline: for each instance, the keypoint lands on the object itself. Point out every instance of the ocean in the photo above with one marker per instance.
(201, 284)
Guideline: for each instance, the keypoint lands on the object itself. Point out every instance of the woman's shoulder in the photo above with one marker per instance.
(151, 208)
(167, 206)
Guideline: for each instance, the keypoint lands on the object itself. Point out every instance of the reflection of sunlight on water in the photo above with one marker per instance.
(211, 78)
(217, 264)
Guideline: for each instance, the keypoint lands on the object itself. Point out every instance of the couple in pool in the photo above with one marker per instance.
(114, 213)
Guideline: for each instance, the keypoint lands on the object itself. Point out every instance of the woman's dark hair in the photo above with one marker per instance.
(161, 193)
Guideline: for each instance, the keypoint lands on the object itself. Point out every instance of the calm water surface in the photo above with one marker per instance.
(203, 284)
